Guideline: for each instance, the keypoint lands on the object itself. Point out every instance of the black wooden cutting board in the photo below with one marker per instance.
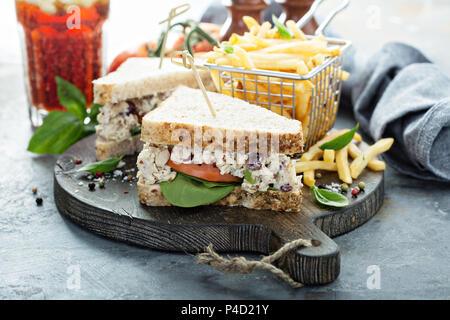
(115, 212)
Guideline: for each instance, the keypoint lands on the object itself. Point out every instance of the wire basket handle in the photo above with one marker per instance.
(304, 20)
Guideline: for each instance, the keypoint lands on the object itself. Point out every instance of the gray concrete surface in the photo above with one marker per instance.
(41, 253)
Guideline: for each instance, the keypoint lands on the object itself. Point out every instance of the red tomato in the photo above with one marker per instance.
(141, 51)
(208, 172)
(121, 58)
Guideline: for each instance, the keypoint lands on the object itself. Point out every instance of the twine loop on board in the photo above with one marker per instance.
(245, 266)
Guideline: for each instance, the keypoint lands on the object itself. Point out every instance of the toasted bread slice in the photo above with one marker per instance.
(151, 195)
(140, 77)
(187, 109)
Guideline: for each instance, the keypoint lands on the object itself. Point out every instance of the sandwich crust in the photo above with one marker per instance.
(140, 77)
(151, 195)
(186, 111)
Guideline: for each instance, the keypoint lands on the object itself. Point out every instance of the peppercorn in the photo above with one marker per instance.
(91, 186)
(78, 161)
(318, 175)
(344, 187)
(101, 184)
(361, 185)
(34, 190)
(39, 201)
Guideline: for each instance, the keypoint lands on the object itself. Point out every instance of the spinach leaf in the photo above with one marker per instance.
(282, 30)
(210, 184)
(94, 112)
(58, 132)
(187, 192)
(341, 141)
(135, 131)
(107, 165)
(248, 176)
(329, 198)
(71, 97)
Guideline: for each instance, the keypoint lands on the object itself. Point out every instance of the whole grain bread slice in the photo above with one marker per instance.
(141, 77)
(186, 112)
(151, 195)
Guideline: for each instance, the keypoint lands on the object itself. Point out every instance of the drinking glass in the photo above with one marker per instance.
(60, 38)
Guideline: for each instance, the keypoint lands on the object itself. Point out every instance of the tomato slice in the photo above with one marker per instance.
(208, 172)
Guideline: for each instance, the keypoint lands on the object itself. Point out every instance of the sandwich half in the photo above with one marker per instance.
(242, 157)
(126, 95)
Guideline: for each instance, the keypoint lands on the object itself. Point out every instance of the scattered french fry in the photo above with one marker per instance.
(342, 165)
(328, 155)
(374, 164)
(308, 178)
(360, 162)
(315, 165)
(338, 160)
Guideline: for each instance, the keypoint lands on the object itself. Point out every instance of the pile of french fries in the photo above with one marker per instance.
(262, 47)
(331, 160)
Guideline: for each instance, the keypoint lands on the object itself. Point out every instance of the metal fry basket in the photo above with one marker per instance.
(287, 93)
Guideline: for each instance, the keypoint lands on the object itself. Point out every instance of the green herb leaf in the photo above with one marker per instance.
(58, 132)
(107, 165)
(71, 97)
(341, 141)
(186, 192)
(329, 198)
(282, 30)
(94, 112)
(228, 49)
(135, 131)
(248, 176)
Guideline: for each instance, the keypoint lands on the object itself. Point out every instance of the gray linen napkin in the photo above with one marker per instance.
(398, 93)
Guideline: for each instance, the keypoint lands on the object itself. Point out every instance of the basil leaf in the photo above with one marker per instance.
(248, 176)
(71, 97)
(282, 30)
(94, 112)
(102, 166)
(58, 132)
(135, 131)
(228, 49)
(329, 198)
(186, 192)
(341, 141)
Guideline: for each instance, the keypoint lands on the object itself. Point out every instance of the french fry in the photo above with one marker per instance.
(361, 161)
(244, 57)
(342, 165)
(308, 178)
(328, 155)
(309, 175)
(250, 22)
(309, 47)
(298, 34)
(315, 165)
(265, 27)
(313, 150)
(374, 164)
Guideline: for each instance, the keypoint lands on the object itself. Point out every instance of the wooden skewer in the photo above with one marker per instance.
(172, 14)
(191, 65)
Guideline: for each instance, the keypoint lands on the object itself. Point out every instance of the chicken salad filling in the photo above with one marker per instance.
(258, 172)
